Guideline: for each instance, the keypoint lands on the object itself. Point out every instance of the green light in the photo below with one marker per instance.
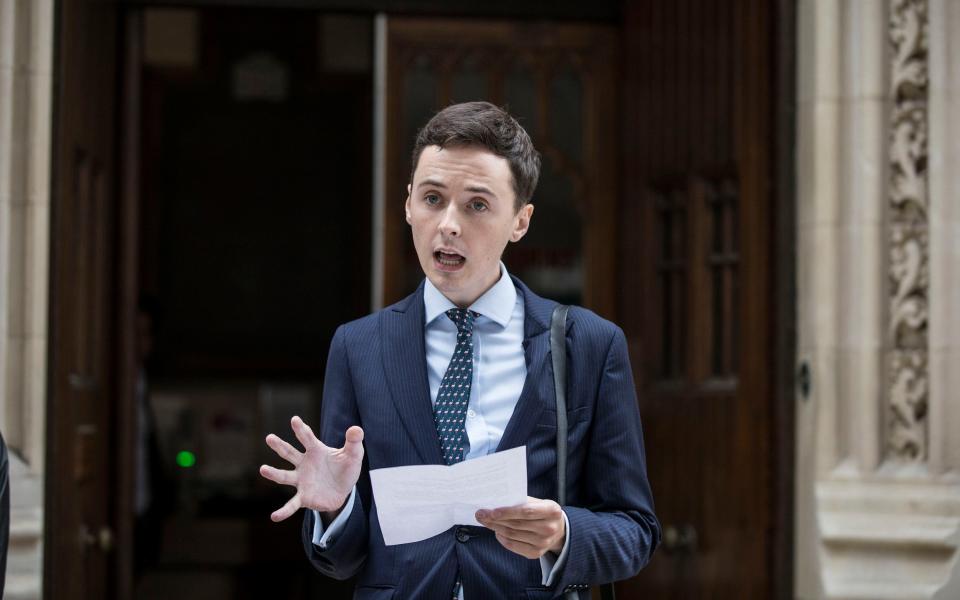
(186, 459)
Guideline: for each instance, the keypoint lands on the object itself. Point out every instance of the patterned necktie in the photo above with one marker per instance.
(450, 410)
(453, 397)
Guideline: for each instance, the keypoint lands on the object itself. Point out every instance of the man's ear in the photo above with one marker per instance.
(406, 206)
(521, 222)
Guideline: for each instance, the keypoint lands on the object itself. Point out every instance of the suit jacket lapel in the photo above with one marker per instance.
(405, 367)
(538, 386)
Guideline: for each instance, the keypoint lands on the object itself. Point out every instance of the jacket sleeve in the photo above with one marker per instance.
(615, 533)
(4, 510)
(344, 556)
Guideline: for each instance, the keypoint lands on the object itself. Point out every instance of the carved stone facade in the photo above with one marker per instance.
(909, 241)
(878, 442)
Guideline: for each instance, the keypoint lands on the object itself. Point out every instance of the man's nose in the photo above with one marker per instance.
(449, 223)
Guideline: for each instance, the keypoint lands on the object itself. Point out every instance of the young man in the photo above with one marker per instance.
(460, 369)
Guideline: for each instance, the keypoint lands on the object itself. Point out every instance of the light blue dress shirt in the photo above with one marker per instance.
(499, 371)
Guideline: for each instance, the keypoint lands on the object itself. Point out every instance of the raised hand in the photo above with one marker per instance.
(323, 476)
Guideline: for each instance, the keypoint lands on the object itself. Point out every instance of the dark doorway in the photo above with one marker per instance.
(246, 190)
(254, 245)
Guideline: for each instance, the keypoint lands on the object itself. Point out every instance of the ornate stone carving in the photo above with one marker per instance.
(908, 404)
(908, 241)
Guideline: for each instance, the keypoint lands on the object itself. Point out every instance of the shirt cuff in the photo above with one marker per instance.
(550, 563)
(321, 538)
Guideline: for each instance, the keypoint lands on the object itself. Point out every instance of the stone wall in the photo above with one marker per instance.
(878, 486)
(26, 82)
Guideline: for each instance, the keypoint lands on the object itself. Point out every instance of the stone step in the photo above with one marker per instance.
(879, 590)
(892, 531)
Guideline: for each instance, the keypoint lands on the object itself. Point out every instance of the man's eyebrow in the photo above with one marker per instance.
(431, 183)
(479, 189)
(476, 189)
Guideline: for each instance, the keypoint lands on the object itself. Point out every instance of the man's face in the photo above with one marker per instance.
(461, 209)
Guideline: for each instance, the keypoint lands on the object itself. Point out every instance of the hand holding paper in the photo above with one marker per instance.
(530, 530)
(418, 502)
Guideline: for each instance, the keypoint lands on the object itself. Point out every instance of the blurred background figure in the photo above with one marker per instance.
(153, 490)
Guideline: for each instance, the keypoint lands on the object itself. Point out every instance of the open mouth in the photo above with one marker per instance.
(449, 259)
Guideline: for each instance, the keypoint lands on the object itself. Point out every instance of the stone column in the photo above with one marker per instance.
(878, 493)
(944, 177)
(26, 81)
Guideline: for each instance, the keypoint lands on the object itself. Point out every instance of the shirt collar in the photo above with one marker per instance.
(496, 303)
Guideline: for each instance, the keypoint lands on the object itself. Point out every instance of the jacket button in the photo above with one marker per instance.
(462, 535)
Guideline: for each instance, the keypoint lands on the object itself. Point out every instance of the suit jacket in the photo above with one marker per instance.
(4, 511)
(377, 378)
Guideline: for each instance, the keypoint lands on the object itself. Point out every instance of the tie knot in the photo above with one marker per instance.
(462, 318)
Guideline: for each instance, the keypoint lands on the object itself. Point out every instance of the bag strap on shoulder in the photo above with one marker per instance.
(558, 353)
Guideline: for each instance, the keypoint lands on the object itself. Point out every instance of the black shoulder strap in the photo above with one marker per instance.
(558, 353)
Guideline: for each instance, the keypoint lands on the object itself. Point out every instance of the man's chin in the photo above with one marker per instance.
(451, 285)
(445, 281)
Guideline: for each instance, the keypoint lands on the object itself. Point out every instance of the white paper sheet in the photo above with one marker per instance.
(418, 502)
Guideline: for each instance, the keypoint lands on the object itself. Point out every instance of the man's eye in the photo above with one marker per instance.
(432, 199)
(478, 206)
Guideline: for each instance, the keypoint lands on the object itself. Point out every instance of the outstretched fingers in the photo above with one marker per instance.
(292, 506)
(284, 450)
(303, 433)
(278, 476)
(320, 474)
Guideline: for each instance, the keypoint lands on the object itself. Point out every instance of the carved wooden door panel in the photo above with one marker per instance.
(697, 291)
(559, 81)
(80, 467)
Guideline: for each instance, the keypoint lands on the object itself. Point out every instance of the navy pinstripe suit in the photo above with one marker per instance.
(376, 378)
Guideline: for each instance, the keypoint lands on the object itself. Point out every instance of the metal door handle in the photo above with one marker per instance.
(102, 540)
(680, 538)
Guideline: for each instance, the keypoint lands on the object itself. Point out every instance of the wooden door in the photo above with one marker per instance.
(697, 280)
(80, 465)
(559, 80)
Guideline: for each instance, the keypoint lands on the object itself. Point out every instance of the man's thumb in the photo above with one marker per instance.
(354, 441)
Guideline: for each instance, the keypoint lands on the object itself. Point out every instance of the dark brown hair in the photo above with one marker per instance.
(490, 127)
